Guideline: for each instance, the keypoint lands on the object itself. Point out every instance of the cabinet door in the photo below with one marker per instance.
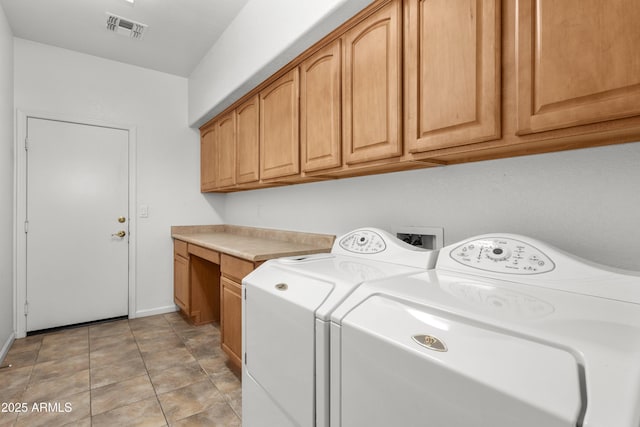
(208, 159)
(181, 282)
(372, 82)
(279, 138)
(320, 109)
(226, 150)
(247, 142)
(231, 320)
(452, 70)
(577, 62)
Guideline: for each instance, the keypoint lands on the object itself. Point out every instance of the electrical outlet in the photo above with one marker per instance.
(422, 237)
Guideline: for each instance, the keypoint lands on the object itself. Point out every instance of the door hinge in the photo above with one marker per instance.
(245, 358)
(245, 293)
(26, 226)
(26, 144)
(26, 308)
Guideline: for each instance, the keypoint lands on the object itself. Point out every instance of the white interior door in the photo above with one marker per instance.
(77, 194)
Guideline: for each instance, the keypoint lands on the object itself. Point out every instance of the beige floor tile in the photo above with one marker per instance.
(8, 419)
(234, 399)
(189, 332)
(160, 343)
(31, 343)
(60, 412)
(189, 400)
(154, 333)
(59, 368)
(68, 336)
(167, 358)
(57, 388)
(213, 365)
(11, 397)
(226, 381)
(175, 377)
(115, 342)
(15, 378)
(144, 413)
(174, 317)
(113, 396)
(111, 374)
(110, 356)
(204, 346)
(108, 359)
(62, 349)
(116, 327)
(219, 415)
(148, 323)
(85, 422)
(21, 359)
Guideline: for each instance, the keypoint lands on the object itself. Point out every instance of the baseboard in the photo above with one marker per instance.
(158, 310)
(7, 346)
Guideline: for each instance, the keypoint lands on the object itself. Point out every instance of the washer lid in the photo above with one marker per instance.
(451, 371)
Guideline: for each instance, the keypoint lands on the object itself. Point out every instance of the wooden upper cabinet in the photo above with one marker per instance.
(452, 73)
(226, 150)
(578, 62)
(279, 137)
(208, 159)
(372, 87)
(248, 142)
(320, 109)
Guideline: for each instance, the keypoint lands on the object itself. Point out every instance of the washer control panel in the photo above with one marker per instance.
(363, 242)
(502, 255)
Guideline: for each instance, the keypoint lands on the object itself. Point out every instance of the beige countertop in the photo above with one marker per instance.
(253, 244)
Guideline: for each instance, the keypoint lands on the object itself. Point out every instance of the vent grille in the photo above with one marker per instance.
(125, 27)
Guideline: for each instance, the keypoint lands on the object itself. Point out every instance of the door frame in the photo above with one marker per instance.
(20, 203)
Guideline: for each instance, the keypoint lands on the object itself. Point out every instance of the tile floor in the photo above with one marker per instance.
(152, 371)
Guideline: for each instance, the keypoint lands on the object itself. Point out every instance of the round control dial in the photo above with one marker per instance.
(498, 253)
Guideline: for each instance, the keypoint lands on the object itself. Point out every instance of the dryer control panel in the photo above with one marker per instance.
(363, 242)
(502, 255)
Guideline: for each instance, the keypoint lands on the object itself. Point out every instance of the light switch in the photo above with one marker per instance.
(144, 211)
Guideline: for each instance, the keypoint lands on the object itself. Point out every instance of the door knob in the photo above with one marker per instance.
(120, 233)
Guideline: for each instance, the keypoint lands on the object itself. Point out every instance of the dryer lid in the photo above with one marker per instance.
(446, 367)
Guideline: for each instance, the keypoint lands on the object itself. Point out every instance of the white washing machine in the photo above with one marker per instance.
(286, 314)
(506, 331)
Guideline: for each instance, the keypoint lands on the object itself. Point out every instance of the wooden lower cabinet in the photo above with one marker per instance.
(196, 282)
(231, 320)
(181, 282)
(233, 270)
(207, 288)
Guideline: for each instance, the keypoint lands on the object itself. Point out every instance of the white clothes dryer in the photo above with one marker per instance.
(286, 314)
(506, 331)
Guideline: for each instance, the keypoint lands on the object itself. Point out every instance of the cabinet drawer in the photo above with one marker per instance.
(235, 268)
(208, 254)
(180, 248)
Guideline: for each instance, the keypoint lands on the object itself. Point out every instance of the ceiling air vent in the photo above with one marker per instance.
(125, 27)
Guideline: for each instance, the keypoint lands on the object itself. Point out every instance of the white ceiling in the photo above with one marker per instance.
(179, 33)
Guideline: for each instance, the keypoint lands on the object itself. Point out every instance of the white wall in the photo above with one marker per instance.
(584, 201)
(62, 82)
(6, 183)
(264, 36)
